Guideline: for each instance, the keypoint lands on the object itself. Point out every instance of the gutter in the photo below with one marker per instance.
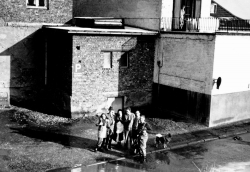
(112, 33)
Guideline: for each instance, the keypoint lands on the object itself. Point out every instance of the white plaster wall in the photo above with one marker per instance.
(231, 102)
(232, 63)
(205, 8)
(228, 108)
(187, 61)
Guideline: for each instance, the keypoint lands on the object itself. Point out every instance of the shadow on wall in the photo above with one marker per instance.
(26, 78)
(181, 103)
(136, 73)
(58, 74)
(24, 66)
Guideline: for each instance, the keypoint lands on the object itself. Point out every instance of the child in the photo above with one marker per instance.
(102, 131)
(143, 126)
(135, 126)
(110, 128)
(118, 129)
(128, 119)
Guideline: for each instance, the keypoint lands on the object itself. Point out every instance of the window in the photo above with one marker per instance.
(185, 9)
(124, 60)
(213, 9)
(36, 4)
(107, 62)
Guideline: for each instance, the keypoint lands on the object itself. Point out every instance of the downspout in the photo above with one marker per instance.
(159, 64)
(46, 61)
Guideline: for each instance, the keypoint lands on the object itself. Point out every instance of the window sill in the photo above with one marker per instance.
(35, 7)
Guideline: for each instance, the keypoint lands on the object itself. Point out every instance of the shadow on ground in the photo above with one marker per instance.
(63, 139)
(66, 140)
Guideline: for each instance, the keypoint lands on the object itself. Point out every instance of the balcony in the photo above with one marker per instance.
(205, 25)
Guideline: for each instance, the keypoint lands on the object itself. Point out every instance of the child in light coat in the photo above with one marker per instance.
(102, 131)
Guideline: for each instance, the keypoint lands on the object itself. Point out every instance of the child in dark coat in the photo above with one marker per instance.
(143, 126)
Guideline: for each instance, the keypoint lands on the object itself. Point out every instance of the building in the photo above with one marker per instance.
(112, 66)
(197, 63)
(40, 64)
(200, 66)
(22, 47)
(230, 9)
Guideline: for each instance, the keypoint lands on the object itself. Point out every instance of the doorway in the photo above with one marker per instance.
(118, 103)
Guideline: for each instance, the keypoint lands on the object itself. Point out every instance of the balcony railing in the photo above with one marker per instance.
(204, 24)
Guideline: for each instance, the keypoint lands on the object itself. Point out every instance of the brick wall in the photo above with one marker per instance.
(59, 11)
(94, 84)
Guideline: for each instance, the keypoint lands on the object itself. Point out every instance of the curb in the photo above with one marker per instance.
(179, 146)
(211, 139)
(196, 142)
(199, 141)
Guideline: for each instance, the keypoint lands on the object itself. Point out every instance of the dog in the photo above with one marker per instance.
(162, 139)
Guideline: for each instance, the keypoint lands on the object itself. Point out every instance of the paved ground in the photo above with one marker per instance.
(222, 155)
(30, 141)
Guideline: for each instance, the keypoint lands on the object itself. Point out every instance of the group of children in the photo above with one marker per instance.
(127, 127)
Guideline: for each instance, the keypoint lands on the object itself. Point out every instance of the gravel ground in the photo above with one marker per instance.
(32, 141)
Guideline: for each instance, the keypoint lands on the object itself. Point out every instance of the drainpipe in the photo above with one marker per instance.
(46, 60)
(159, 64)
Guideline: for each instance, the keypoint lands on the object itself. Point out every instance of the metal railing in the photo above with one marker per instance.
(204, 24)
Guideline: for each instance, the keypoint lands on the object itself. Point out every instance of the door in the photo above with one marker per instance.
(117, 104)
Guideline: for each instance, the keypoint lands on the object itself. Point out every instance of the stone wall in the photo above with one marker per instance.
(92, 87)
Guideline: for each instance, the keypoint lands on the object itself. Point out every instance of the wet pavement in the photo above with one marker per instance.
(27, 147)
(223, 155)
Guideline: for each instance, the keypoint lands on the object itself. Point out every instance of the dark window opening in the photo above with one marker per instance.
(41, 3)
(124, 60)
(36, 3)
(31, 3)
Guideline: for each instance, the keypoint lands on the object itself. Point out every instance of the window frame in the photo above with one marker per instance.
(110, 59)
(213, 8)
(36, 5)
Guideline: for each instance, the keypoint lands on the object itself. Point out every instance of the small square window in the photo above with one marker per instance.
(107, 62)
(36, 4)
(124, 60)
(213, 9)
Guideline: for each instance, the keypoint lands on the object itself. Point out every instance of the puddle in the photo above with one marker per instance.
(158, 162)
(233, 167)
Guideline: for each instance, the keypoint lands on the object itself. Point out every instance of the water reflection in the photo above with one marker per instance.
(154, 161)
(233, 167)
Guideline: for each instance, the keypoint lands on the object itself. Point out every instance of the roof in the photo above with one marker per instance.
(103, 31)
(239, 8)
